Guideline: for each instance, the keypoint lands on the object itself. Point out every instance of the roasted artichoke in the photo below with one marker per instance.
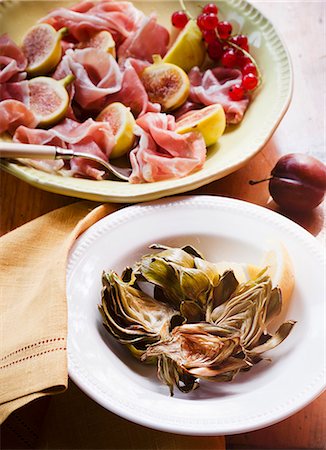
(198, 324)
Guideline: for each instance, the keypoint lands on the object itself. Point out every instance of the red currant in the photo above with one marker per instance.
(249, 82)
(179, 19)
(249, 68)
(224, 30)
(244, 61)
(209, 21)
(210, 8)
(229, 58)
(200, 21)
(236, 92)
(209, 36)
(241, 41)
(215, 50)
(239, 55)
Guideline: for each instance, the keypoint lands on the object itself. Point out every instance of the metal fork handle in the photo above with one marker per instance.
(31, 151)
(17, 150)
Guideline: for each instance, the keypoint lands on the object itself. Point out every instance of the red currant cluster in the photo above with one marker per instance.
(230, 51)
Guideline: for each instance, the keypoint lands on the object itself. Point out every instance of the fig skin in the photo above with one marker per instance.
(298, 182)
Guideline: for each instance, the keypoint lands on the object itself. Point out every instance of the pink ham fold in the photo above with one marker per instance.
(97, 75)
(162, 153)
(13, 114)
(133, 93)
(16, 91)
(12, 61)
(89, 137)
(150, 39)
(86, 18)
(212, 86)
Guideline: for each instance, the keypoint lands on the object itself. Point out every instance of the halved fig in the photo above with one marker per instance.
(166, 84)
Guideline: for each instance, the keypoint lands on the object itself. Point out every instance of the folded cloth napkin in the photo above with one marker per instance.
(33, 324)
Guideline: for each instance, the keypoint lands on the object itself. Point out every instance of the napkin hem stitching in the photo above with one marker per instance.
(45, 341)
(32, 356)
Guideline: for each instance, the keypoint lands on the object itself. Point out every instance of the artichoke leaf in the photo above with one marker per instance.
(225, 288)
(191, 311)
(172, 375)
(165, 275)
(281, 334)
(174, 255)
(209, 269)
(192, 251)
(230, 365)
(274, 306)
(195, 285)
(128, 276)
(178, 283)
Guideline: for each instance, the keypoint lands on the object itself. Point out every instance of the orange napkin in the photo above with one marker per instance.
(33, 355)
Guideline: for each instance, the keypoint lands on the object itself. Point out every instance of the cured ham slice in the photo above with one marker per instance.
(162, 153)
(97, 75)
(13, 114)
(12, 60)
(212, 87)
(133, 93)
(150, 39)
(89, 137)
(16, 91)
(86, 18)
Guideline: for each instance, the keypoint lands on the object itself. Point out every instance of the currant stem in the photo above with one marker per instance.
(251, 59)
(183, 7)
(253, 182)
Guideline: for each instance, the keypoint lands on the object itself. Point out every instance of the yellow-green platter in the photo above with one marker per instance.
(238, 145)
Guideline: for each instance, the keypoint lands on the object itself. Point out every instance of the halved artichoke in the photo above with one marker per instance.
(131, 316)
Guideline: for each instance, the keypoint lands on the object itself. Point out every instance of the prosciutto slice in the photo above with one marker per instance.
(150, 39)
(162, 153)
(97, 75)
(89, 137)
(13, 114)
(86, 18)
(12, 60)
(16, 91)
(133, 93)
(212, 86)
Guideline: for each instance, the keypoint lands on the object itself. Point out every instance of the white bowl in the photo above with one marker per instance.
(223, 229)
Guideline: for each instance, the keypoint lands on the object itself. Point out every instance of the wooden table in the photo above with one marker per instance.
(302, 25)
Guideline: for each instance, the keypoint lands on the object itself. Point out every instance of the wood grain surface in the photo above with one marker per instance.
(302, 26)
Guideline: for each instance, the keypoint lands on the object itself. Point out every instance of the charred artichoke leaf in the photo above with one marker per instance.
(281, 334)
(195, 285)
(172, 375)
(209, 269)
(247, 311)
(225, 288)
(192, 251)
(174, 255)
(164, 275)
(131, 315)
(177, 282)
(274, 305)
(128, 276)
(191, 311)
(233, 365)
